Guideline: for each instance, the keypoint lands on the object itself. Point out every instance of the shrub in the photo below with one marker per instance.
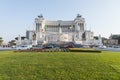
(84, 50)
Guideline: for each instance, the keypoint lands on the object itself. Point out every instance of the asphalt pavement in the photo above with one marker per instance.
(109, 49)
(6, 48)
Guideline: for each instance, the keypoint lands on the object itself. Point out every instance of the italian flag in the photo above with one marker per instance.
(44, 28)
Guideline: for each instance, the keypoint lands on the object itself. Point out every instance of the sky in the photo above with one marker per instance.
(17, 16)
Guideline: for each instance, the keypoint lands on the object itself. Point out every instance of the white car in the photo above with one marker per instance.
(23, 47)
(102, 47)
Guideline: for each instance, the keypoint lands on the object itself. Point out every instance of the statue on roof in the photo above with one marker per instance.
(78, 15)
(34, 36)
(40, 16)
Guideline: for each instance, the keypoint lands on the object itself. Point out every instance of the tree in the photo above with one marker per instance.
(117, 37)
(104, 41)
(96, 37)
(1, 40)
(12, 42)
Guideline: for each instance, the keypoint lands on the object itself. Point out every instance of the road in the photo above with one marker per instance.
(6, 48)
(110, 49)
(106, 49)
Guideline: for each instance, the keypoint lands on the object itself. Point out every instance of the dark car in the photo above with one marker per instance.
(50, 45)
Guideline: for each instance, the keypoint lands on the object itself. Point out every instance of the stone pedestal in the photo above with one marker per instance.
(34, 42)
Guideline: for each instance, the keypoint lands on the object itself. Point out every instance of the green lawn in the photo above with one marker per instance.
(59, 66)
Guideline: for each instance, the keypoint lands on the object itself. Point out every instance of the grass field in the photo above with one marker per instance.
(59, 66)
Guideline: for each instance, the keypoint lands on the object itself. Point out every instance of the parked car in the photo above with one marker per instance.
(102, 47)
(50, 45)
(23, 47)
